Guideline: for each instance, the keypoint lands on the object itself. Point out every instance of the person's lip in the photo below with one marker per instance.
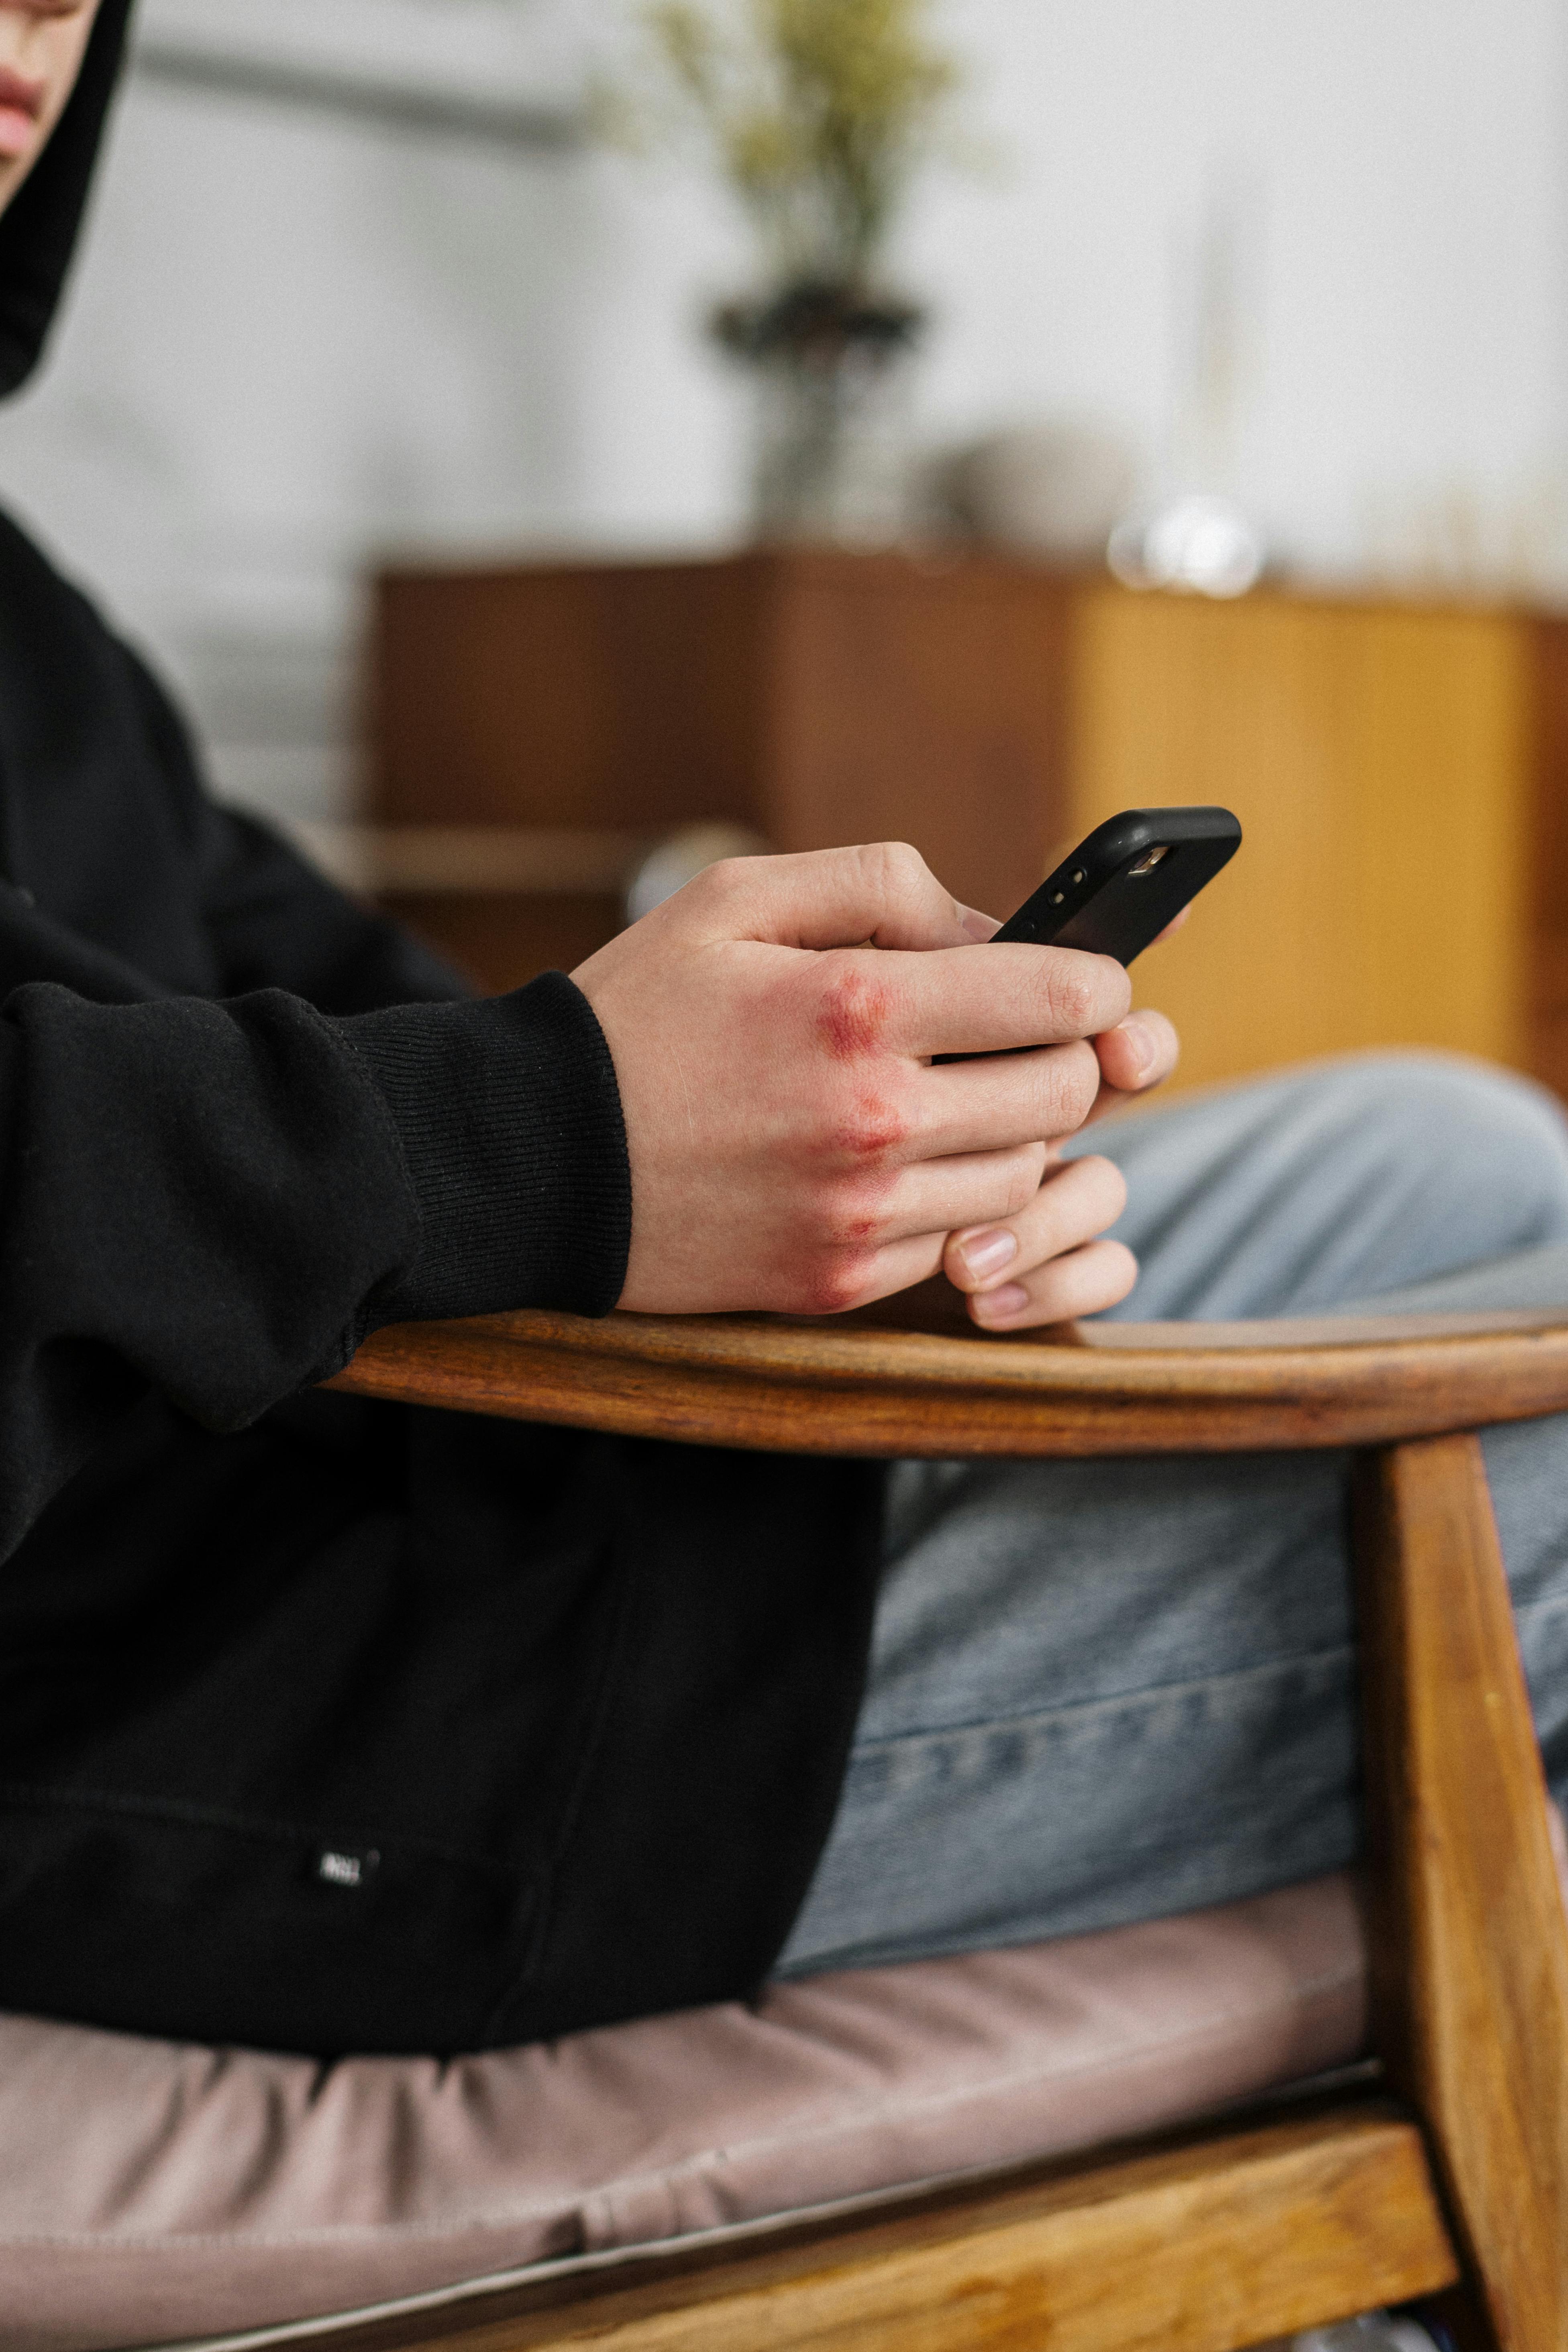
(21, 103)
(20, 96)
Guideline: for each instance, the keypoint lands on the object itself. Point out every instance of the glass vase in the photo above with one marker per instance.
(831, 454)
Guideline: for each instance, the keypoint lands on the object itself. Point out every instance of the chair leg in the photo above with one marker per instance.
(1469, 1938)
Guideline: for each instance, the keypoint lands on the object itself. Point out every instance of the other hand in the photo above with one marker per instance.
(1047, 1264)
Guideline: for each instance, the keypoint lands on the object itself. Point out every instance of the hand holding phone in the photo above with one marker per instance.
(1124, 884)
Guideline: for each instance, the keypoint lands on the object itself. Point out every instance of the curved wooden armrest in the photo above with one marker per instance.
(879, 1383)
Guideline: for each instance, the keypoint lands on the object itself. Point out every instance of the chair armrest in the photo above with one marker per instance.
(860, 1385)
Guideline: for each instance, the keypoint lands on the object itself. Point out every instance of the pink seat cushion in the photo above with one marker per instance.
(151, 2191)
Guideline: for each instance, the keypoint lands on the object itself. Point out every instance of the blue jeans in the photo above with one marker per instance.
(1111, 1690)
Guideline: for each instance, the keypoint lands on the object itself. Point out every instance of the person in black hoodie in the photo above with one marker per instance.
(329, 1726)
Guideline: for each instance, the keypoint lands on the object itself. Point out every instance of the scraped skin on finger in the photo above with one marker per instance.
(792, 1145)
(42, 43)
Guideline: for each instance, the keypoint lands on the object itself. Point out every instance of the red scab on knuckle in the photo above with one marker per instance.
(868, 1130)
(851, 1214)
(853, 1012)
(837, 1283)
(853, 1228)
(857, 1229)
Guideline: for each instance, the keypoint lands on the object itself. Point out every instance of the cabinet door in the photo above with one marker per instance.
(1378, 757)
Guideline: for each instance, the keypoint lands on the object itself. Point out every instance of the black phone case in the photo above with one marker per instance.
(1096, 900)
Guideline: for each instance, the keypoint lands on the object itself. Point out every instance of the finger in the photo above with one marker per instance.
(1076, 1202)
(1017, 996)
(992, 1104)
(974, 1190)
(883, 892)
(1138, 1052)
(1174, 926)
(1085, 1282)
(896, 1267)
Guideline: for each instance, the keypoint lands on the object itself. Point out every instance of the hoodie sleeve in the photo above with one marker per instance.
(506, 1112)
(219, 1199)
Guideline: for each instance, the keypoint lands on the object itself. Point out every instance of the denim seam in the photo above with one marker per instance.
(1114, 1703)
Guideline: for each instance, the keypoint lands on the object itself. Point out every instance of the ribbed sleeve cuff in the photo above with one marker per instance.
(509, 1118)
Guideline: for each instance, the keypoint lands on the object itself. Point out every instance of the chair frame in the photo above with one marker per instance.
(1448, 2175)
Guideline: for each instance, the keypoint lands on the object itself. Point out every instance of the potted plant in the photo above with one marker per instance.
(819, 114)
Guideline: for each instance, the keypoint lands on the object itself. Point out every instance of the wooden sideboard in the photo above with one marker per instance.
(1401, 770)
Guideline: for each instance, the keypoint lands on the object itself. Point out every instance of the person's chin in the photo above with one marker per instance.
(16, 165)
(20, 140)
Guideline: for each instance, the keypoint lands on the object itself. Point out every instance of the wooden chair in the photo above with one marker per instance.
(1448, 2169)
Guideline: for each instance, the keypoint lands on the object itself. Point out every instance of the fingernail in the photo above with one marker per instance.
(1144, 1045)
(979, 927)
(987, 1254)
(998, 1306)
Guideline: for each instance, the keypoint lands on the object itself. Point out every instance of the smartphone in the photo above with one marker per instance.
(1126, 880)
(1124, 883)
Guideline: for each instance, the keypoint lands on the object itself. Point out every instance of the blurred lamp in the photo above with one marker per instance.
(1204, 544)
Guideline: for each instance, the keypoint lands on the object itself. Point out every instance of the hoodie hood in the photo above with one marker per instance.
(37, 235)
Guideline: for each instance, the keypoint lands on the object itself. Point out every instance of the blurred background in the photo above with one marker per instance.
(385, 412)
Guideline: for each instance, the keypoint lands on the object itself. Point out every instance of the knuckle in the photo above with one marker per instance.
(850, 1215)
(900, 866)
(834, 1283)
(1075, 1084)
(1023, 1179)
(870, 1128)
(1068, 996)
(715, 887)
(1081, 993)
(1094, 1169)
(724, 876)
(1111, 1185)
(852, 1007)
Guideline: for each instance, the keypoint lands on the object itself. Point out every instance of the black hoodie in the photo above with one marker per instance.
(326, 1725)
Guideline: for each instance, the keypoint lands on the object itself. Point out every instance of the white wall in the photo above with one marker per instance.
(1409, 158)
(294, 343)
